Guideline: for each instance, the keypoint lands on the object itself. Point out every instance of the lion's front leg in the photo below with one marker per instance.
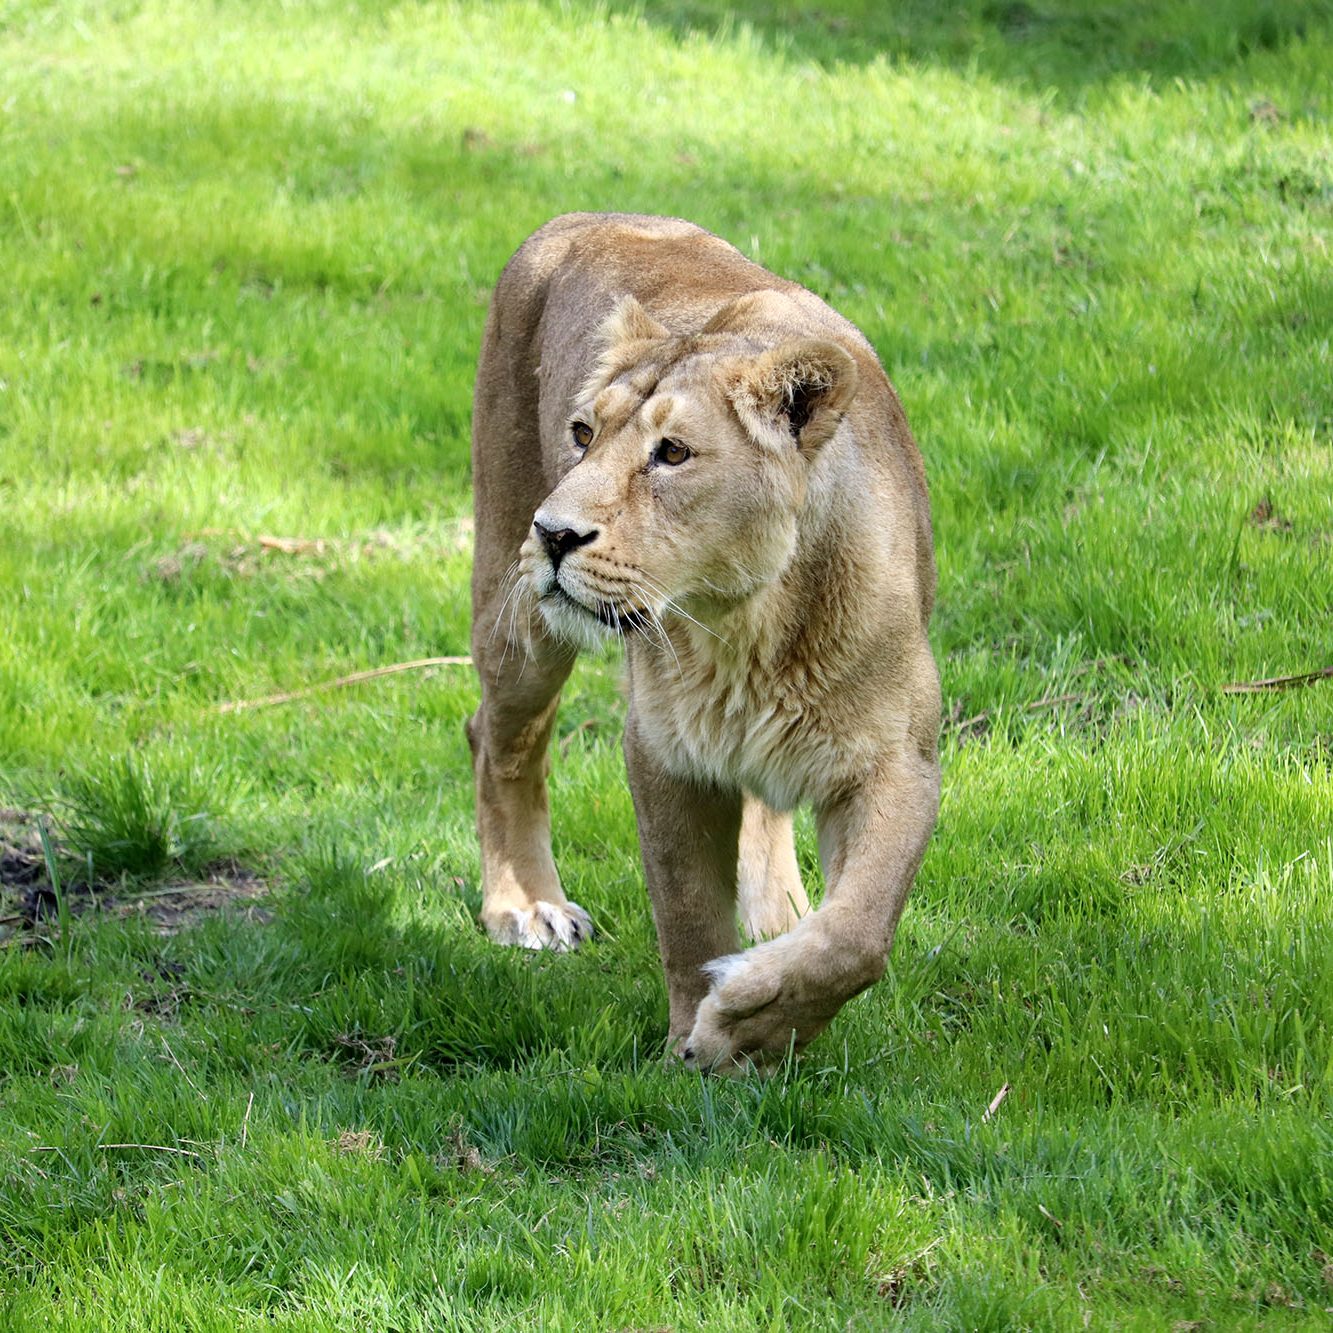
(781, 994)
(522, 901)
(689, 834)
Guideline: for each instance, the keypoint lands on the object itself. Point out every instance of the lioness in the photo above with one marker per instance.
(673, 445)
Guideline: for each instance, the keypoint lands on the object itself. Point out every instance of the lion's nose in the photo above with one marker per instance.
(560, 541)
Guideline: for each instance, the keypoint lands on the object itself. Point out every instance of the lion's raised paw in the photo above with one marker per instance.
(560, 927)
(730, 1033)
(757, 1012)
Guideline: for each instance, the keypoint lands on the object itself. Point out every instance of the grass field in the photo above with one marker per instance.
(246, 252)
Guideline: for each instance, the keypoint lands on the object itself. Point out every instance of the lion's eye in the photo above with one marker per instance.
(671, 452)
(582, 433)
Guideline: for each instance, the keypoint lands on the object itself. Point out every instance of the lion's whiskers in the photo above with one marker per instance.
(669, 603)
(508, 578)
(512, 598)
(660, 639)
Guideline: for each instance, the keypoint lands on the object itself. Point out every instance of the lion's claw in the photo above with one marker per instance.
(560, 927)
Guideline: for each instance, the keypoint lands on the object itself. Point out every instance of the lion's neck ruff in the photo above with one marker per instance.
(752, 693)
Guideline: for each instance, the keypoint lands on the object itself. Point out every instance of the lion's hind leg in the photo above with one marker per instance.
(770, 895)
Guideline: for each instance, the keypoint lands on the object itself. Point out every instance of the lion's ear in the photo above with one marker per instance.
(797, 392)
(629, 322)
(622, 336)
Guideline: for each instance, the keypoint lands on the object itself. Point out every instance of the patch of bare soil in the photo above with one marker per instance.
(30, 907)
(175, 906)
(1266, 517)
(373, 1056)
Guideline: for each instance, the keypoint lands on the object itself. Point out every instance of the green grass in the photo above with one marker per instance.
(246, 252)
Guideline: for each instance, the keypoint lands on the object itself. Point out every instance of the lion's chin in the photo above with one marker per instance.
(575, 623)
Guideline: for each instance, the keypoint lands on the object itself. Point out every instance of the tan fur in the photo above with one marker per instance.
(773, 590)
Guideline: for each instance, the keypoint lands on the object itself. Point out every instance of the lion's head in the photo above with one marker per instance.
(688, 463)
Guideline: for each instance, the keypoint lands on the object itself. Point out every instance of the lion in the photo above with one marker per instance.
(676, 447)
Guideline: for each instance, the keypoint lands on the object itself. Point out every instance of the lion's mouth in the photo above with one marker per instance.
(624, 621)
(602, 612)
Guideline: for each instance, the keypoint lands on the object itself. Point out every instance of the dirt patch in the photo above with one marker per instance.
(19, 865)
(26, 893)
(1266, 517)
(174, 907)
(375, 1057)
(30, 906)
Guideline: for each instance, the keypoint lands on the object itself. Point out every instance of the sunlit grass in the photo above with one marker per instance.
(247, 252)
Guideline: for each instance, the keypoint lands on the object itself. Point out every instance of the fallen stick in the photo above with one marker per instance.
(171, 891)
(1053, 701)
(587, 724)
(152, 1147)
(969, 722)
(1278, 682)
(294, 545)
(269, 701)
(995, 1103)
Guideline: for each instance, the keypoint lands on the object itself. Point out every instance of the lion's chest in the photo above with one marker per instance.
(773, 736)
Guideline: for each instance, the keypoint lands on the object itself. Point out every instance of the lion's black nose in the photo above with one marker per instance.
(559, 542)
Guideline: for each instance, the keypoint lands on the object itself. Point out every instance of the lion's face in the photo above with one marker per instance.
(667, 502)
(688, 462)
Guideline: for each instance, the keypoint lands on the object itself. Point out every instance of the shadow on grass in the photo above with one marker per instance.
(388, 992)
(1068, 45)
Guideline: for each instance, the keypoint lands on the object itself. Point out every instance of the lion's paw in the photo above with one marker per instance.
(761, 1007)
(560, 927)
(751, 1017)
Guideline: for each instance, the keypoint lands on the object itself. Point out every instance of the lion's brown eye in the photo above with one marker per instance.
(671, 452)
(582, 433)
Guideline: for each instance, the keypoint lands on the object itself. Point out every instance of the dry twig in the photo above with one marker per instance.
(588, 724)
(995, 1103)
(1278, 682)
(294, 545)
(269, 701)
(981, 718)
(152, 1147)
(1054, 701)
